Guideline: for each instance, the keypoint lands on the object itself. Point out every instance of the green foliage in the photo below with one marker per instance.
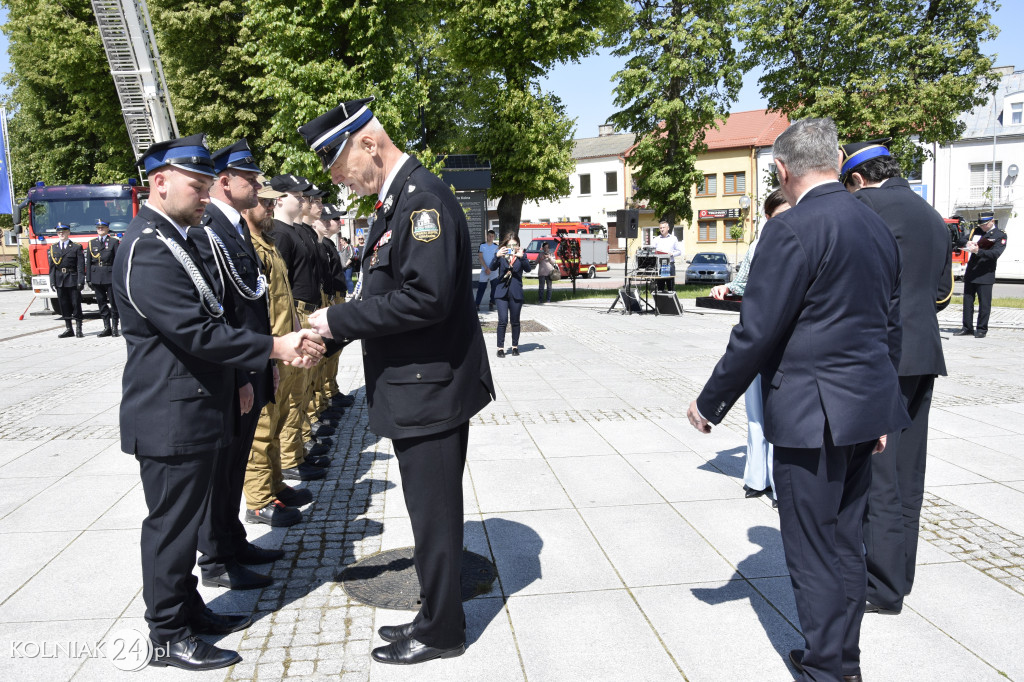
(681, 75)
(898, 68)
(66, 125)
(24, 264)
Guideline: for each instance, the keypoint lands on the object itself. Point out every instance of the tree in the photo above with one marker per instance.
(66, 125)
(899, 68)
(505, 46)
(682, 73)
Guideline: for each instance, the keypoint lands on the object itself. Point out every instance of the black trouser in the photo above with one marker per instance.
(105, 300)
(505, 307)
(177, 492)
(821, 494)
(431, 468)
(70, 303)
(221, 534)
(895, 498)
(984, 293)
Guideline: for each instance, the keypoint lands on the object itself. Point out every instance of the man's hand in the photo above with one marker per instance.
(698, 422)
(277, 377)
(318, 323)
(879, 446)
(719, 292)
(971, 247)
(487, 271)
(299, 349)
(245, 398)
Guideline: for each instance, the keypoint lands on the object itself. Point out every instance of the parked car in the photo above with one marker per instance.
(708, 267)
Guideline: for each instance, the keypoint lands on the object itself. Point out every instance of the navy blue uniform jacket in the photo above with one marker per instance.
(99, 260)
(981, 266)
(178, 388)
(70, 270)
(821, 323)
(511, 289)
(927, 258)
(423, 355)
(238, 310)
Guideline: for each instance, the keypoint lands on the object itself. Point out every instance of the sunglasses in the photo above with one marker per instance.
(268, 203)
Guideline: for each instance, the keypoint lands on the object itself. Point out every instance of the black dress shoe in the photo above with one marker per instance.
(66, 334)
(295, 497)
(106, 332)
(396, 633)
(312, 448)
(193, 653)
(749, 492)
(304, 472)
(321, 440)
(344, 400)
(501, 353)
(410, 651)
(980, 334)
(881, 610)
(319, 461)
(515, 351)
(332, 414)
(277, 514)
(321, 429)
(210, 623)
(251, 555)
(238, 577)
(964, 332)
(796, 657)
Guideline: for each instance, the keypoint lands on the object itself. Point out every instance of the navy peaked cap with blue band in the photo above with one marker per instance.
(856, 153)
(327, 134)
(985, 216)
(100, 222)
(236, 156)
(187, 153)
(62, 226)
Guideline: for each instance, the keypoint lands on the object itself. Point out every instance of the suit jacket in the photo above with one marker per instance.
(99, 261)
(239, 311)
(512, 287)
(67, 266)
(425, 361)
(178, 387)
(981, 266)
(927, 256)
(820, 321)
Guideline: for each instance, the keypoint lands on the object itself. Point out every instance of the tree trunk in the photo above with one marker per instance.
(510, 211)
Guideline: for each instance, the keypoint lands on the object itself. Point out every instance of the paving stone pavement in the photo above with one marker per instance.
(624, 546)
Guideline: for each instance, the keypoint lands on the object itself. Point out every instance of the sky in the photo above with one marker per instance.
(586, 88)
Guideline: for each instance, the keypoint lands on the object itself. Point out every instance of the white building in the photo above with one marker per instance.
(980, 170)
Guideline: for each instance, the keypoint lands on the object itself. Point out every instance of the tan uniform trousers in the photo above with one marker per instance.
(331, 388)
(297, 429)
(263, 478)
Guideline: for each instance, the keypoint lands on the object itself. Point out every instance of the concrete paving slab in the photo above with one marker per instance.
(109, 462)
(958, 425)
(51, 649)
(12, 449)
(990, 464)
(19, 491)
(544, 552)
(602, 480)
(988, 624)
(33, 552)
(652, 544)
(54, 458)
(491, 442)
(744, 531)
(636, 436)
(993, 501)
(68, 504)
(942, 472)
(127, 513)
(574, 439)
(695, 620)
(577, 637)
(683, 476)
(517, 485)
(1009, 445)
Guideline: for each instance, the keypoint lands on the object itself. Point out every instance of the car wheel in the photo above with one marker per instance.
(592, 272)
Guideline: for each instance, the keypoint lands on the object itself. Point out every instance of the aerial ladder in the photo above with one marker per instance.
(134, 59)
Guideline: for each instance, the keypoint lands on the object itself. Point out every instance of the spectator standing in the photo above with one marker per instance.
(509, 263)
(545, 266)
(487, 276)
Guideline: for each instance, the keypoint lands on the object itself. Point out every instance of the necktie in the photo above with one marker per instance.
(238, 227)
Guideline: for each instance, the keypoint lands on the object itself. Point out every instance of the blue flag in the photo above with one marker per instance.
(6, 198)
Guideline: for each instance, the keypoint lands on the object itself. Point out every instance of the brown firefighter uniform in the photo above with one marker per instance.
(263, 478)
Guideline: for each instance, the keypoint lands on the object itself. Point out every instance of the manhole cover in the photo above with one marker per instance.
(388, 579)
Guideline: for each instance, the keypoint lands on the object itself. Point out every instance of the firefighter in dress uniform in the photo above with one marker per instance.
(98, 267)
(67, 277)
(423, 355)
(986, 244)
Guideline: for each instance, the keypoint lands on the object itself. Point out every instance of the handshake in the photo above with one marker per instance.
(303, 348)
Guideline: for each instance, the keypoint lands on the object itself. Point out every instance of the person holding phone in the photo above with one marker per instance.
(510, 263)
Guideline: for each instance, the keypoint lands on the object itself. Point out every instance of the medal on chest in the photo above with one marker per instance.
(384, 239)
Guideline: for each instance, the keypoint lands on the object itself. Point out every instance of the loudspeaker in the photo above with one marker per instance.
(627, 223)
(630, 300)
(667, 303)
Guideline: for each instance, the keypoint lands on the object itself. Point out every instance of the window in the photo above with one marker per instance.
(707, 230)
(611, 182)
(984, 179)
(10, 239)
(585, 184)
(728, 229)
(735, 183)
(584, 219)
(709, 188)
(1016, 112)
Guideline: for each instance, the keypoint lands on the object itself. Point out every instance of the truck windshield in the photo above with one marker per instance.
(535, 245)
(81, 215)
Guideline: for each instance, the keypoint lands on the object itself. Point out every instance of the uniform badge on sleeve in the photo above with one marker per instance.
(426, 225)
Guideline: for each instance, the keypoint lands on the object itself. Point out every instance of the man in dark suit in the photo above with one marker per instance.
(223, 240)
(423, 355)
(98, 266)
(179, 400)
(897, 475)
(820, 322)
(67, 277)
(986, 244)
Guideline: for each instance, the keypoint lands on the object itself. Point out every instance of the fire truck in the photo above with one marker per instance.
(79, 207)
